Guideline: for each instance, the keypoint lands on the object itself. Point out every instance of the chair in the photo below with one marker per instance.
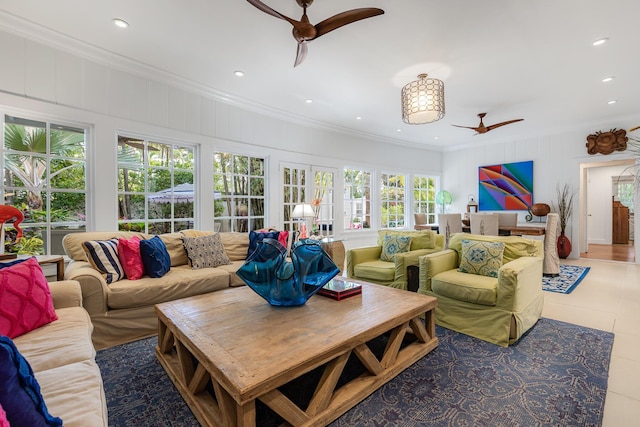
(365, 263)
(420, 222)
(495, 309)
(507, 219)
(484, 224)
(551, 266)
(449, 224)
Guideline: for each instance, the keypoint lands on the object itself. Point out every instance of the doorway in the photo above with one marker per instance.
(607, 210)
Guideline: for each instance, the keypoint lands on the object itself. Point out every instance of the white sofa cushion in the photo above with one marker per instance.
(66, 340)
(75, 393)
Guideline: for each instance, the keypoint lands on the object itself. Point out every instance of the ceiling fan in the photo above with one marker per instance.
(484, 129)
(304, 31)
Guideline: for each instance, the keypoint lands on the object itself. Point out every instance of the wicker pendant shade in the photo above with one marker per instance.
(423, 101)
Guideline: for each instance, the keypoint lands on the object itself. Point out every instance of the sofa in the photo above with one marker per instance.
(471, 300)
(366, 264)
(123, 310)
(62, 357)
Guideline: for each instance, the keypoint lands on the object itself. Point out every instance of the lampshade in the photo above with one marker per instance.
(423, 101)
(303, 210)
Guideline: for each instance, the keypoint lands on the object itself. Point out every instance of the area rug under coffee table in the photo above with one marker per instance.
(555, 375)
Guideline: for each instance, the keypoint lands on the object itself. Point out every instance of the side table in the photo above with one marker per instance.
(47, 259)
(335, 249)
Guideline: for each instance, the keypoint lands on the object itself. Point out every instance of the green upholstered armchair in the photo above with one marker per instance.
(495, 309)
(365, 263)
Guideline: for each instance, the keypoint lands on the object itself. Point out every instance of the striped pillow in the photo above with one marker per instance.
(103, 256)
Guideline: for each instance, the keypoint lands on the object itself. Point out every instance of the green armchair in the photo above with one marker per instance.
(365, 263)
(495, 309)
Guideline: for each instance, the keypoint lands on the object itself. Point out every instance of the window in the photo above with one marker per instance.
(294, 182)
(155, 186)
(625, 191)
(392, 199)
(357, 199)
(45, 177)
(238, 182)
(424, 197)
(323, 202)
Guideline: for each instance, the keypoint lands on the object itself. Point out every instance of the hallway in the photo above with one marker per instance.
(615, 252)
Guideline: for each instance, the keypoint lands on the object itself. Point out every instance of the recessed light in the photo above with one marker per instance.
(398, 130)
(358, 118)
(607, 79)
(120, 23)
(238, 73)
(613, 101)
(308, 101)
(601, 41)
(436, 137)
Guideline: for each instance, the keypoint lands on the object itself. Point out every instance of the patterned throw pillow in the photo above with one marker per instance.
(20, 393)
(103, 256)
(206, 251)
(482, 258)
(130, 258)
(392, 245)
(25, 299)
(155, 257)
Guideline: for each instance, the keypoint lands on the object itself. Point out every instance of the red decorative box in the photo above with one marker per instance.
(339, 289)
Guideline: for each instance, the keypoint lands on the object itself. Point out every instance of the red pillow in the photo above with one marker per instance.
(25, 299)
(283, 238)
(130, 258)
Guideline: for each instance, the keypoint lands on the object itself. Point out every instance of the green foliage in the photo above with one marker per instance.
(27, 162)
(33, 245)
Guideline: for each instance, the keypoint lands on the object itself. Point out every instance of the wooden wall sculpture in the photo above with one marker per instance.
(607, 142)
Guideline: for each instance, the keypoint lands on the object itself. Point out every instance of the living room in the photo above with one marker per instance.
(58, 78)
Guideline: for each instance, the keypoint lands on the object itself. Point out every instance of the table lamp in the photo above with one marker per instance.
(302, 212)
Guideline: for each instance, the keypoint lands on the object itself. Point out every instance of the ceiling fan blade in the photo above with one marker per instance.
(344, 18)
(301, 54)
(467, 127)
(497, 125)
(266, 9)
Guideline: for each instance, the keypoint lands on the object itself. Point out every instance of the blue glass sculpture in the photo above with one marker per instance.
(284, 283)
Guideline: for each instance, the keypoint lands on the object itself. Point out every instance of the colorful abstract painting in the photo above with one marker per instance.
(507, 186)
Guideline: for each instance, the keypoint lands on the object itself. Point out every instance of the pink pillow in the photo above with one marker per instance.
(130, 258)
(25, 299)
(3, 418)
(283, 238)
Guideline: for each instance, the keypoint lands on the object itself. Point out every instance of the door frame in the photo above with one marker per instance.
(583, 191)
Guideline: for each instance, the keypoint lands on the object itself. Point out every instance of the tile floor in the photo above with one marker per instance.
(608, 299)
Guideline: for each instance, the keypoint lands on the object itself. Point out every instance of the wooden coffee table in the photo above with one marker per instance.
(226, 349)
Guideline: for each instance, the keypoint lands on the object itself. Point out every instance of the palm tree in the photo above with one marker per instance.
(24, 142)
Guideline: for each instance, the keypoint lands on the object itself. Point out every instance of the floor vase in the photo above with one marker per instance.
(564, 246)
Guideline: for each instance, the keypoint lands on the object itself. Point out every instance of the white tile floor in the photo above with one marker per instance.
(609, 299)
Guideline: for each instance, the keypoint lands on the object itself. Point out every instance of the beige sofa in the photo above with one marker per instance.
(123, 311)
(63, 360)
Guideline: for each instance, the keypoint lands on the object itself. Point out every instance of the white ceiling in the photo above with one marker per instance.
(509, 58)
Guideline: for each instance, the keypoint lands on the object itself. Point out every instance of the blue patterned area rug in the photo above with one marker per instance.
(570, 277)
(555, 375)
